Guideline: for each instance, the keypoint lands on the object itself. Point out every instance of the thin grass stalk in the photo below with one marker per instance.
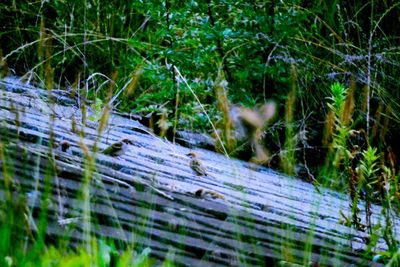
(288, 159)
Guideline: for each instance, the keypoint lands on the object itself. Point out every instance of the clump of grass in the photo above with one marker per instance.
(225, 124)
(288, 155)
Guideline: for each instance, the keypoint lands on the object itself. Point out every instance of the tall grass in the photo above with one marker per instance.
(288, 157)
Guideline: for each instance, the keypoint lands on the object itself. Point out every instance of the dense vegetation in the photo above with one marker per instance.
(331, 68)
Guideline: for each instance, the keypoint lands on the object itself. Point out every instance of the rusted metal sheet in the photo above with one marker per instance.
(146, 197)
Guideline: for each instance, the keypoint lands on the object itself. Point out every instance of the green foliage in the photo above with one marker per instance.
(97, 108)
(337, 151)
(368, 179)
(376, 182)
(16, 237)
(369, 168)
(337, 99)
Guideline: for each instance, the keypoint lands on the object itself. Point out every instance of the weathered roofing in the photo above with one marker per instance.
(146, 197)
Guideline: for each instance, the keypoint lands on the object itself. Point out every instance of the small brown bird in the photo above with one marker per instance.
(64, 146)
(203, 193)
(118, 148)
(196, 164)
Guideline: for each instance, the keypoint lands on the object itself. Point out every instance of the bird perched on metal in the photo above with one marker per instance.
(196, 165)
(203, 193)
(64, 146)
(118, 148)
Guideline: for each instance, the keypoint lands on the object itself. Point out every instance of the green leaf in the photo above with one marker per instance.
(142, 258)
